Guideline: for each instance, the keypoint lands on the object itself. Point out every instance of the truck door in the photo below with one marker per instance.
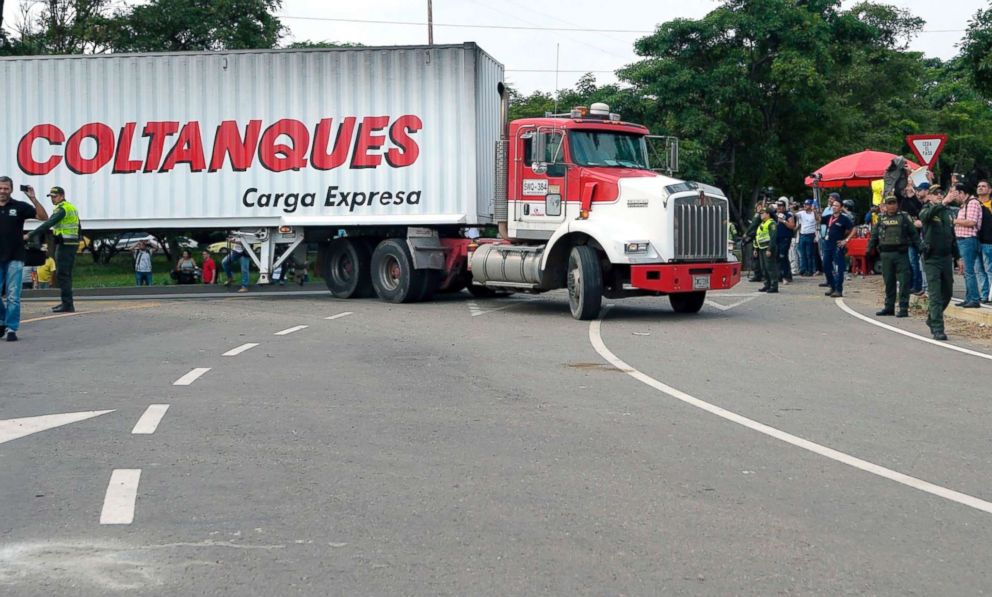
(540, 206)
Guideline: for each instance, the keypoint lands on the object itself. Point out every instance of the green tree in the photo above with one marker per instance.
(771, 89)
(976, 51)
(310, 44)
(192, 25)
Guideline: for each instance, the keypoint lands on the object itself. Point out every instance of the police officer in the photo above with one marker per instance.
(893, 235)
(64, 223)
(765, 243)
(939, 249)
(756, 274)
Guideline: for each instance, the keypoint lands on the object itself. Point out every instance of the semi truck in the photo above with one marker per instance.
(388, 159)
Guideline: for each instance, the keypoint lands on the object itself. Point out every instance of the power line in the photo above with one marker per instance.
(551, 70)
(517, 27)
(466, 26)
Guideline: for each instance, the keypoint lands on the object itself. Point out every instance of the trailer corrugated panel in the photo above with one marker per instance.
(258, 138)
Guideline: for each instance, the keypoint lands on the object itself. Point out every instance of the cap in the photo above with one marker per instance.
(835, 195)
(923, 186)
(891, 199)
(783, 200)
(56, 191)
(810, 202)
(770, 211)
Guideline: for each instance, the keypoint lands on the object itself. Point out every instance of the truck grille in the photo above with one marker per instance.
(701, 228)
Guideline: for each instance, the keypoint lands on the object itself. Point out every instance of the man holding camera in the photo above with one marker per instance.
(966, 227)
(64, 223)
(13, 214)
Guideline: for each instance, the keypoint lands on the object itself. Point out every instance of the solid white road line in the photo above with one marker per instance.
(850, 311)
(289, 331)
(340, 315)
(236, 351)
(12, 429)
(596, 339)
(149, 421)
(190, 377)
(122, 491)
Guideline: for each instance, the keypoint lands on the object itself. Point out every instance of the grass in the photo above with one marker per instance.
(119, 273)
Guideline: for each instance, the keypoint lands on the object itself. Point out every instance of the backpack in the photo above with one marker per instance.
(985, 229)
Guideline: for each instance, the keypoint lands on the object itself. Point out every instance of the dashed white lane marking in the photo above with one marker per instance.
(288, 331)
(122, 491)
(236, 351)
(850, 311)
(340, 315)
(12, 429)
(149, 421)
(190, 377)
(596, 339)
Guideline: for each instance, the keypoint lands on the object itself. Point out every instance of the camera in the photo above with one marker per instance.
(24, 188)
(960, 187)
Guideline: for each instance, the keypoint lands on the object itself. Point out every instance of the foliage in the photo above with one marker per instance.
(976, 51)
(762, 92)
(192, 25)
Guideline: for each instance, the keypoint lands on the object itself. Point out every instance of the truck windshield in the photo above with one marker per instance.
(606, 148)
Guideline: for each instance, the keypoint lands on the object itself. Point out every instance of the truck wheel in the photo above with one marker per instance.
(430, 283)
(585, 283)
(687, 302)
(346, 265)
(393, 276)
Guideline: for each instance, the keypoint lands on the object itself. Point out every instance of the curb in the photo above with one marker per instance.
(981, 316)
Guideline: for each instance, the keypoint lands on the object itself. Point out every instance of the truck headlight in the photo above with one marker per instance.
(636, 247)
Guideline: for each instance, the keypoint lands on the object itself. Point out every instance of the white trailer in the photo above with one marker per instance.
(382, 156)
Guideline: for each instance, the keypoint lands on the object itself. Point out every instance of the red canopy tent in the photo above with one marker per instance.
(855, 170)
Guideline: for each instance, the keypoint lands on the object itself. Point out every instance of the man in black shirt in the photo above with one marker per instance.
(911, 202)
(12, 216)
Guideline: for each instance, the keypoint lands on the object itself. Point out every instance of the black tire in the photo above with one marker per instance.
(687, 302)
(430, 282)
(393, 276)
(345, 268)
(585, 283)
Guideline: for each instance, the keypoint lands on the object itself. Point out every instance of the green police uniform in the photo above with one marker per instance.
(939, 250)
(892, 236)
(765, 240)
(65, 224)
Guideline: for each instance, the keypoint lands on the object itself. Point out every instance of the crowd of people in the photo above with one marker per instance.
(918, 235)
(20, 252)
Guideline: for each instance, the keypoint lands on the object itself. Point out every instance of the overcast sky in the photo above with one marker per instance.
(522, 50)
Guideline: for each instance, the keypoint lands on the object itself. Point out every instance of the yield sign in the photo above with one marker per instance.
(926, 148)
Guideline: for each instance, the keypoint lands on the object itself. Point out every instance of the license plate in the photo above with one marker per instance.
(701, 282)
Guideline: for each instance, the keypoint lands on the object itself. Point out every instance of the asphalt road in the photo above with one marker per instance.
(768, 445)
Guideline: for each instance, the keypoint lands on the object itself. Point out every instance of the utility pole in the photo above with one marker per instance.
(430, 22)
